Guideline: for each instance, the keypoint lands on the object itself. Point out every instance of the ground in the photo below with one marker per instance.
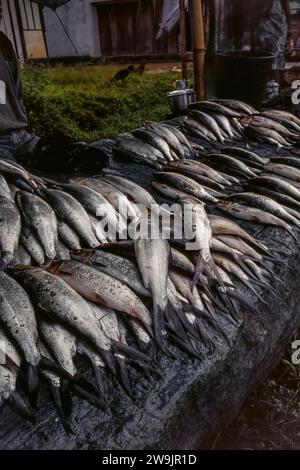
(82, 101)
(270, 419)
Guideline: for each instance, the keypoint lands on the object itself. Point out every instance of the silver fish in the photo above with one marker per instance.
(31, 245)
(41, 219)
(69, 210)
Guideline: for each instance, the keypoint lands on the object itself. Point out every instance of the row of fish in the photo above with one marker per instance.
(154, 145)
(218, 121)
(71, 288)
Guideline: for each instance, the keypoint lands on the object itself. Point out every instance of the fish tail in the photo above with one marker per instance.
(50, 364)
(85, 384)
(178, 327)
(128, 350)
(109, 360)
(180, 313)
(32, 378)
(206, 318)
(124, 376)
(66, 397)
(57, 400)
(159, 325)
(20, 407)
(98, 373)
(184, 346)
(92, 399)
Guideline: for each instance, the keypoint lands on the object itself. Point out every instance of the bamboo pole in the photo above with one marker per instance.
(197, 29)
(183, 39)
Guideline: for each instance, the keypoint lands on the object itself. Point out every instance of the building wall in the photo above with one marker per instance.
(23, 25)
(80, 19)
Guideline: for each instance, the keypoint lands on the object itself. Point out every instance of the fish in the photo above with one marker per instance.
(9, 372)
(223, 226)
(17, 172)
(206, 182)
(264, 203)
(155, 140)
(263, 122)
(133, 191)
(98, 287)
(209, 122)
(197, 219)
(61, 342)
(225, 161)
(184, 286)
(168, 135)
(18, 317)
(181, 137)
(62, 251)
(181, 262)
(240, 245)
(41, 219)
(32, 246)
(232, 268)
(22, 256)
(276, 183)
(268, 135)
(198, 129)
(58, 301)
(211, 106)
(68, 236)
(281, 114)
(4, 189)
(116, 198)
(245, 154)
(239, 106)
(70, 211)
(153, 257)
(200, 168)
(283, 199)
(286, 160)
(283, 170)
(10, 229)
(140, 152)
(168, 191)
(185, 184)
(254, 215)
(224, 125)
(116, 266)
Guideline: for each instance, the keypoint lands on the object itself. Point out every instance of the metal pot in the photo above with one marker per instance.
(178, 100)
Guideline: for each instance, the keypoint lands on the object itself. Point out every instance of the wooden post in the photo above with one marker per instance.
(197, 28)
(183, 39)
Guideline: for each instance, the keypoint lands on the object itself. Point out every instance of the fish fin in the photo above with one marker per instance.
(187, 348)
(20, 407)
(93, 400)
(32, 379)
(158, 324)
(124, 376)
(50, 364)
(109, 360)
(56, 397)
(129, 351)
(100, 381)
(66, 397)
(97, 299)
(180, 315)
(80, 380)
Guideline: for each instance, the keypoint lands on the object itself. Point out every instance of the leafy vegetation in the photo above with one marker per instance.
(82, 101)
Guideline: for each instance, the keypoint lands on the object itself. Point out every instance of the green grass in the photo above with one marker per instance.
(82, 101)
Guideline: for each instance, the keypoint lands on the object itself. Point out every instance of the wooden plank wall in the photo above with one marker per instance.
(22, 24)
(129, 27)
